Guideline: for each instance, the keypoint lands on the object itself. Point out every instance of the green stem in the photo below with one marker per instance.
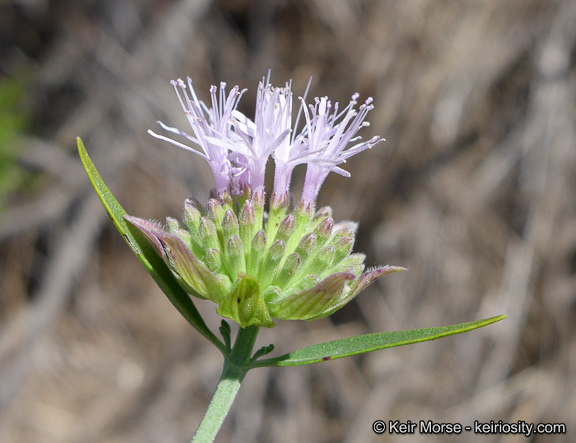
(234, 371)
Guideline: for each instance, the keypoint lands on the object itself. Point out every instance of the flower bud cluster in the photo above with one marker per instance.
(288, 264)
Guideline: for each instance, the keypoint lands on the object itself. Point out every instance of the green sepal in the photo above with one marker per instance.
(323, 231)
(235, 257)
(312, 302)
(191, 272)
(321, 214)
(272, 293)
(303, 221)
(213, 260)
(230, 226)
(247, 225)
(257, 253)
(317, 264)
(173, 227)
(354, 263)
(225, 200)
(271, 263)
(192, 214)
(286, 228)
(209, 234)
(306, 246)
(357, 286)
(343, 241)
(290, 266)
(322, 260)
(302, 284)
(245, 304)
(258, 205)
(215, 211)
(276, 216)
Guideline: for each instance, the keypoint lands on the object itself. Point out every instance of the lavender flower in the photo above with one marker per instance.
(328, 136)
(288, 264)
(211, 126)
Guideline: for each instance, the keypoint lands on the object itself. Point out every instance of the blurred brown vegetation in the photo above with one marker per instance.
(473, 192)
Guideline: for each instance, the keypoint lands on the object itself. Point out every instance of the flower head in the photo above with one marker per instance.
(289, 263)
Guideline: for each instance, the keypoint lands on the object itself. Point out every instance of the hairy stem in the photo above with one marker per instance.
(234, 371)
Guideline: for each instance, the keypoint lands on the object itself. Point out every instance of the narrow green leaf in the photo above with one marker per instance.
(264, 350)
(146, 253)
(225, 331)
(367, 343)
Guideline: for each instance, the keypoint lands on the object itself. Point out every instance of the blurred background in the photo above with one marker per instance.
(473, 191)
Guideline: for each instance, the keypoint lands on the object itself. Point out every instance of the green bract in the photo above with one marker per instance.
(289, 265)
